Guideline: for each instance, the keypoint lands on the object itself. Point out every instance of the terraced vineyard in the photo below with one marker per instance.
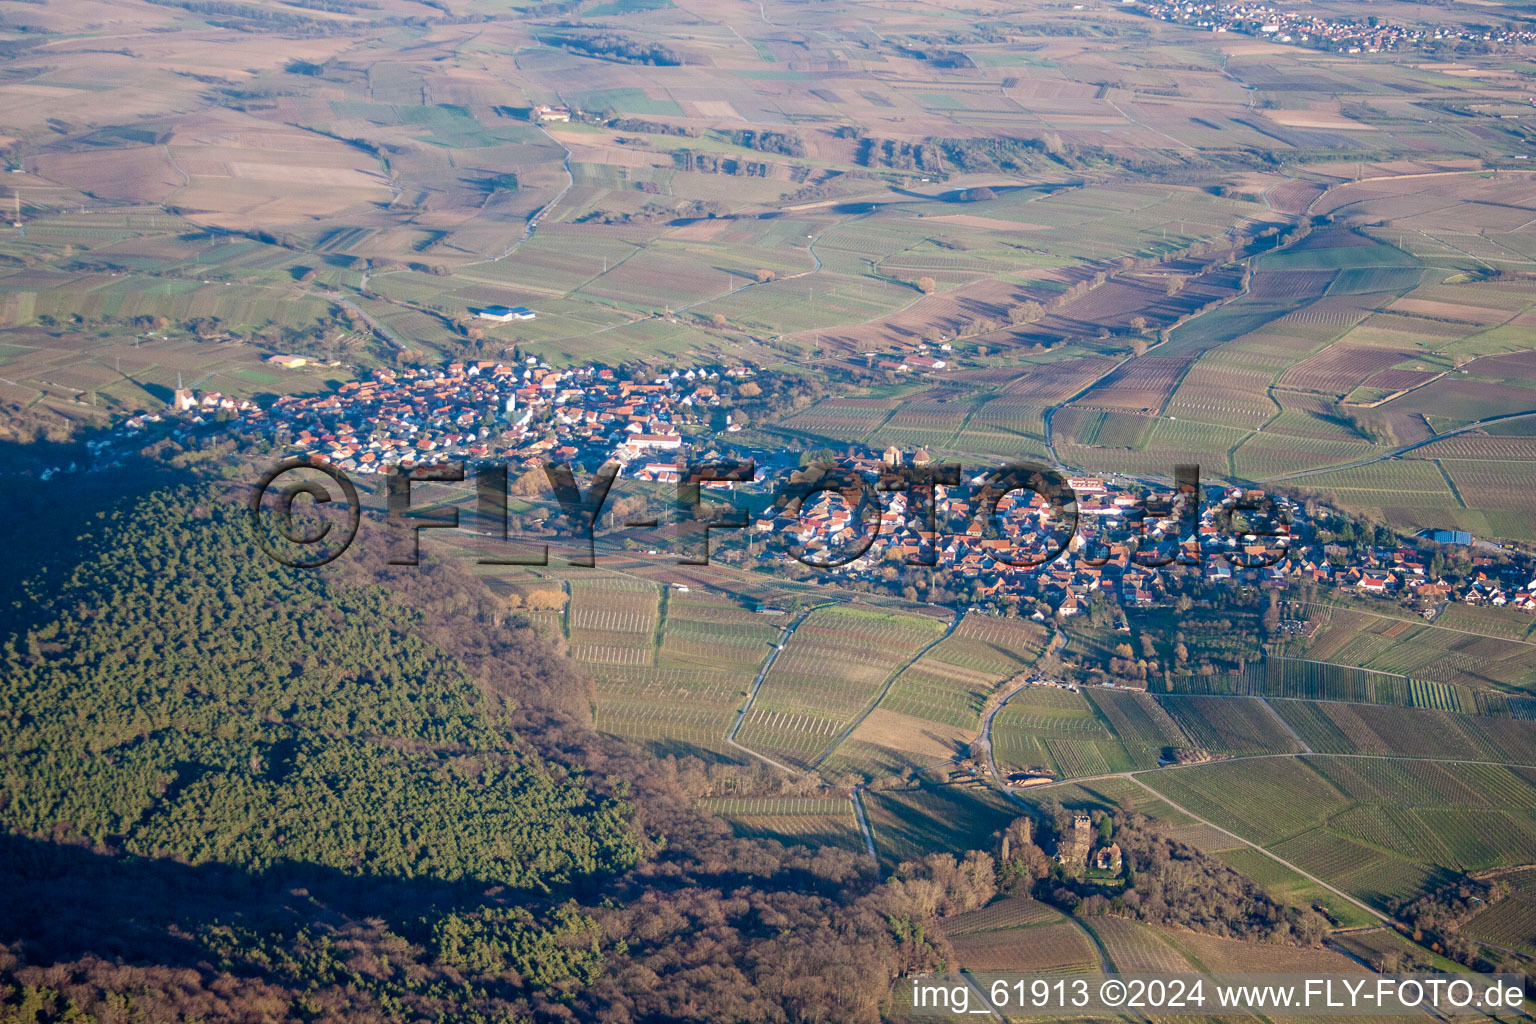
(1359, 869)
(1512, 922)
(1335, 728)
(1479, 649)
(1212, 953)
(1139, 720)
(1303, 679)
(1293, 888)
(1237, 725)
(1136, 948)
(613, 622)
(1058, 730)
(951, 682)
(1380, 829)
(933, 708)
(830, 671)
(1014, 912)
(1115, 792)
(1055, 948)
(710, 634)
(676, 696)
(1263, 801)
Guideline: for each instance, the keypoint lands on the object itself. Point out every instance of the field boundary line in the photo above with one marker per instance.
(1272, 856)
(1306, 748)
(757, 683)
(1105, 960)
(1451, 484)
(1416, 622)
(1401, 451)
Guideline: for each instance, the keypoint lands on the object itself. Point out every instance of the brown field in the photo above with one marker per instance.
(1291, 284)
(1293, 197)
(1339, 369)
(951, 312)
(1142, 384)
(1331, 120)
(1482, 446)
(1014, 912)
(1053, 381)
(228, 170)
(919, 737)
(1234, 956)
(1136, 948)
(1518, 366)
(1450, 311)
(1400, 380)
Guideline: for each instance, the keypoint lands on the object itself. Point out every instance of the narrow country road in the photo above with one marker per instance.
(1272, 856)
(858, 812)
(757, 682)
(1306, 748)
(543, 211)
(373, 324)
(1401, 450)
(1105, 963)
(984, 738)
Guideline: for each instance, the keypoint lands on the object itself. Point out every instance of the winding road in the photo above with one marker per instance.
(984, 738)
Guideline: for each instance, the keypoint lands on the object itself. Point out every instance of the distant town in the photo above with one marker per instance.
(1371, 35)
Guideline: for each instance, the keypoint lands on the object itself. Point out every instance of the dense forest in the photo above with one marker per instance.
(238, 791)
(616, 47)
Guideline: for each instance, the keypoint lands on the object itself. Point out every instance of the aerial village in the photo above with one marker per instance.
(1128, 535)
(1127, 538)
(1373, 35)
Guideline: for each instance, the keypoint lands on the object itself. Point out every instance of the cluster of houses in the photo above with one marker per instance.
(1370, 36)
(1124, 542)
(525, 413)
(1401, 572)
(1118, 547)
(195, 408)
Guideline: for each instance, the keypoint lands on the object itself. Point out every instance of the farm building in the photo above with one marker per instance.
(287, 362)
(502, 314)
(545, 112)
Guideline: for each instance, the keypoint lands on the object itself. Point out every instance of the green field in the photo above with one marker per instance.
(1378, 828)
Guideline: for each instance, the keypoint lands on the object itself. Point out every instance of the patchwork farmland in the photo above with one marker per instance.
(1380, 829)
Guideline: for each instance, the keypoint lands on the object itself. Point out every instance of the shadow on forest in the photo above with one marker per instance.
(43, 519)
(65, 902)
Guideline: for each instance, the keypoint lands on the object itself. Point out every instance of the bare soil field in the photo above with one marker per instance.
(924, 739)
